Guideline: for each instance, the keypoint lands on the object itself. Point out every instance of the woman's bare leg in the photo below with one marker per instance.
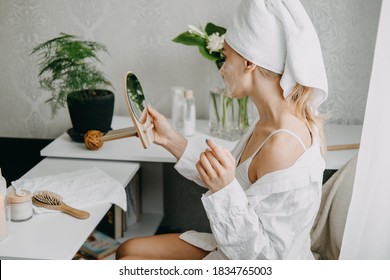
(164, 246)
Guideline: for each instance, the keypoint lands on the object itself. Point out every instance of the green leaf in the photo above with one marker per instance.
(219, 62)
(189, 39)
(48, 44)
(205, 53)
(212, 28)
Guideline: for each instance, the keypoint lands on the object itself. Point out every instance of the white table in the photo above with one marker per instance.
(127, 149)
(130, 149)
(58, 235)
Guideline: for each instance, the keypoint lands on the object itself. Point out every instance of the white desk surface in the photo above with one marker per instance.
(127, 149)
(44, 235)
(130, 149)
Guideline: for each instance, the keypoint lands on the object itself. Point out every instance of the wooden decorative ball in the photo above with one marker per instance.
(93, 139)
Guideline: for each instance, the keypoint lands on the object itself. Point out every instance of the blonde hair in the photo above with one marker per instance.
(300, 98)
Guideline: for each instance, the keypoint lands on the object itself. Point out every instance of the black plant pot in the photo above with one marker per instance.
(93, 113)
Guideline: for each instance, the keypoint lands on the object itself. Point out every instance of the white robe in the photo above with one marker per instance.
(269, 219)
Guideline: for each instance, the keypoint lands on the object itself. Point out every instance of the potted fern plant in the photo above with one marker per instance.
(67, 69)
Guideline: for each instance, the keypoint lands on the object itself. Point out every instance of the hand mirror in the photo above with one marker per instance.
(135, 98)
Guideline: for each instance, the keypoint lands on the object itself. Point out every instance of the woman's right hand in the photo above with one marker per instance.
(165, 135)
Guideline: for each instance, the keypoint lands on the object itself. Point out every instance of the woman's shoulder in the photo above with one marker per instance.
(279, 152)
(288, 172)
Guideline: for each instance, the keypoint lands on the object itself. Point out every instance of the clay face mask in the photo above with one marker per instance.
(229, 75)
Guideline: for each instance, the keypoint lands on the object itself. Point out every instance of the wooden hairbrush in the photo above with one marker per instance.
(53, 201)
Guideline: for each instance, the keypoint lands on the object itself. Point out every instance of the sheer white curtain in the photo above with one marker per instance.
(367, 231)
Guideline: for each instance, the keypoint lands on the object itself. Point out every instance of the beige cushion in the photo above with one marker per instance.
(328, 229)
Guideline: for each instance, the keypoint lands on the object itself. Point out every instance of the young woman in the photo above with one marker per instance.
(264, 195)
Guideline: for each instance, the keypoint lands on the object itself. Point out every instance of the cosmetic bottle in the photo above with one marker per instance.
(3, 208)
(178, 109)
(189, 113)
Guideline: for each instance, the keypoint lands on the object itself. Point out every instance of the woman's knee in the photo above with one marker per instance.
(131, 247)
(165, 246)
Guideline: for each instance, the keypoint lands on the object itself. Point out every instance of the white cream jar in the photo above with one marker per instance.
(20, 203)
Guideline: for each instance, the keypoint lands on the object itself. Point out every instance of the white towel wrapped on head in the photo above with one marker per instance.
(278, 35)
(79, 189)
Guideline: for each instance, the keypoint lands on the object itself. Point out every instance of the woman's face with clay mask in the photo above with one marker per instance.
(232, 70)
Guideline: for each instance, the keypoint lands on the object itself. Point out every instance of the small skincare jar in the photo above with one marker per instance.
(20, 203)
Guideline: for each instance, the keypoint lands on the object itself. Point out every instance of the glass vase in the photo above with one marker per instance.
(229, 118)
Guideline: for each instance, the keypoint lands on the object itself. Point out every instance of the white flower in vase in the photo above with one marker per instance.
(215, 42)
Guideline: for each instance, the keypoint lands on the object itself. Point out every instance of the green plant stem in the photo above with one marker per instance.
(228, 118)
(243, 119)
(231, 101)
(224, 112)
(213, 95)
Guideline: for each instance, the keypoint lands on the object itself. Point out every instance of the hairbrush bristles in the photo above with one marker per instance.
(48, 197)
(53, 201)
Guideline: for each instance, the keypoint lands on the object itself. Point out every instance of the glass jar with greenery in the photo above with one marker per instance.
(228, 118)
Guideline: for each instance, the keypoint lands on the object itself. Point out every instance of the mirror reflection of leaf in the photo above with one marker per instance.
(135, 97)
(135, 93)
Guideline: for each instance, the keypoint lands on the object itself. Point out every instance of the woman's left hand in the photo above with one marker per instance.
(216, 167)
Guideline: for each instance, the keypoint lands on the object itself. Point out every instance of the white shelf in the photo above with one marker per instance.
(58, 236)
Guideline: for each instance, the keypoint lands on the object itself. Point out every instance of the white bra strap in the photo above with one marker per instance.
(282, 130)
(296, 136)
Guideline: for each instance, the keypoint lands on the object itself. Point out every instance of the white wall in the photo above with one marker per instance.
(138, 35)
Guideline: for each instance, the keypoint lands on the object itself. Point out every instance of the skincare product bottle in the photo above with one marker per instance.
(178, 109)
(3, 208)
(189, 113)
